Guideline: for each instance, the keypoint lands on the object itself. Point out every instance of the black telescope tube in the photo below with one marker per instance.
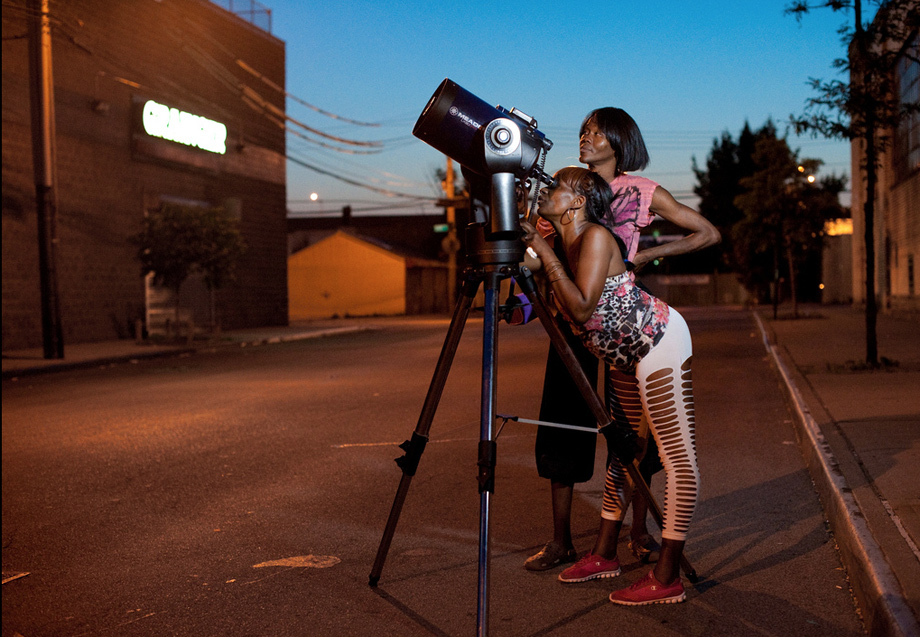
(452, 123)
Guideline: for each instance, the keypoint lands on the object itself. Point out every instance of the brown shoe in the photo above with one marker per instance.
(550, 556)
(645, 549)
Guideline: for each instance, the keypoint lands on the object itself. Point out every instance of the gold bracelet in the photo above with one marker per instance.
(552, 267)
(557, 275)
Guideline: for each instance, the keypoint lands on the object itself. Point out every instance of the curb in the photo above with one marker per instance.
(877, 591)
(64, 366)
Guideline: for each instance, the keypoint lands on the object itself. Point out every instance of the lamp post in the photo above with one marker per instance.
(452, 243)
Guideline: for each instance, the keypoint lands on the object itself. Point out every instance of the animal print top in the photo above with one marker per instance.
(627, 323)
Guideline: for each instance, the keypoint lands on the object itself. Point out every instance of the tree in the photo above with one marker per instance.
(720, 183)
(868, 108)
(177, 241)
(785, 210)
(221, 246)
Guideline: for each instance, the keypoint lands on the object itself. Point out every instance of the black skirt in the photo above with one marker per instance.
(564, 455)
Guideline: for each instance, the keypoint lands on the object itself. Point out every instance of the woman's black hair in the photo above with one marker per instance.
(622, 134)
(597, 194)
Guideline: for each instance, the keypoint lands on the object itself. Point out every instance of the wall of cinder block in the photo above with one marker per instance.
(108, 56)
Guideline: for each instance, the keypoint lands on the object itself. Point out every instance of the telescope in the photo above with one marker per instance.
(497, 148)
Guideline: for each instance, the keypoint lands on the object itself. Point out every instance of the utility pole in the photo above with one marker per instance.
(452, 243)
(44, 165)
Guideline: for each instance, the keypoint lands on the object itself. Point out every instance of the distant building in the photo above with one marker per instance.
(177, 101)
(897, 206)
(837, 262)
(419, 234)
(349, 275)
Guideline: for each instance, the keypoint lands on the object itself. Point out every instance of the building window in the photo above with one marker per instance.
(907, 141)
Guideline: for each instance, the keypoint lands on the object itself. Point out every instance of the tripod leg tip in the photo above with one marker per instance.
(692, 576)
(372, 581)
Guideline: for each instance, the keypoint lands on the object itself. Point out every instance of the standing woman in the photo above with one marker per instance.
(639, 335)
(612, 146)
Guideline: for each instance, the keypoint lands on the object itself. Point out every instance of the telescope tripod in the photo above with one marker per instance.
(620, 438)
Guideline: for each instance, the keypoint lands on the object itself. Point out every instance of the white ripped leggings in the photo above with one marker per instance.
(662, 389)
(634, 331)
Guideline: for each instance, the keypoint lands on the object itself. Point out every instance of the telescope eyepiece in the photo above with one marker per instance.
(547, 179)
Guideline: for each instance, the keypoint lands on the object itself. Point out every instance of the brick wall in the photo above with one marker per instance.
(107, 55)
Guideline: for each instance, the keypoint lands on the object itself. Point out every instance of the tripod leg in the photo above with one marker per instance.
(487, 446)
(525, 280)
(633, 469)
(415, 446)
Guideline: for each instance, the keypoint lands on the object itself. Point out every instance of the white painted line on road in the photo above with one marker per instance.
(9, 576)
(389, 444)
(302, 561)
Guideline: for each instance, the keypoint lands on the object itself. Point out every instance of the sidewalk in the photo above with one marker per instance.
(859, 432)
(81, 355)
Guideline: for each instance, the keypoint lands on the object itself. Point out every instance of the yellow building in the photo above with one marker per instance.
(346, 275)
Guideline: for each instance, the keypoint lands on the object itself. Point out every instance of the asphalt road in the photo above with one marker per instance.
(244, 491)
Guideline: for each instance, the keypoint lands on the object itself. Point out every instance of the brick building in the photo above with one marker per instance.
(897, 201)
(119, 70)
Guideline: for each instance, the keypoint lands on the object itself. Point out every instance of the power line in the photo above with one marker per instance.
(353, 182)
(271, 84)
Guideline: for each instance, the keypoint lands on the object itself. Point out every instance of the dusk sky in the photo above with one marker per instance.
(686, 71)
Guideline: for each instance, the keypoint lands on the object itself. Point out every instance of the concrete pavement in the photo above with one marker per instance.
(26, 362)
(859, 431)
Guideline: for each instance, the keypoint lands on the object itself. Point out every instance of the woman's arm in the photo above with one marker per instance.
(539, 251)
(578, 297)
(702, 233)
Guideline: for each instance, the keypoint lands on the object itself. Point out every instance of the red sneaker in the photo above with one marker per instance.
(649, 590)
(590, 567)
